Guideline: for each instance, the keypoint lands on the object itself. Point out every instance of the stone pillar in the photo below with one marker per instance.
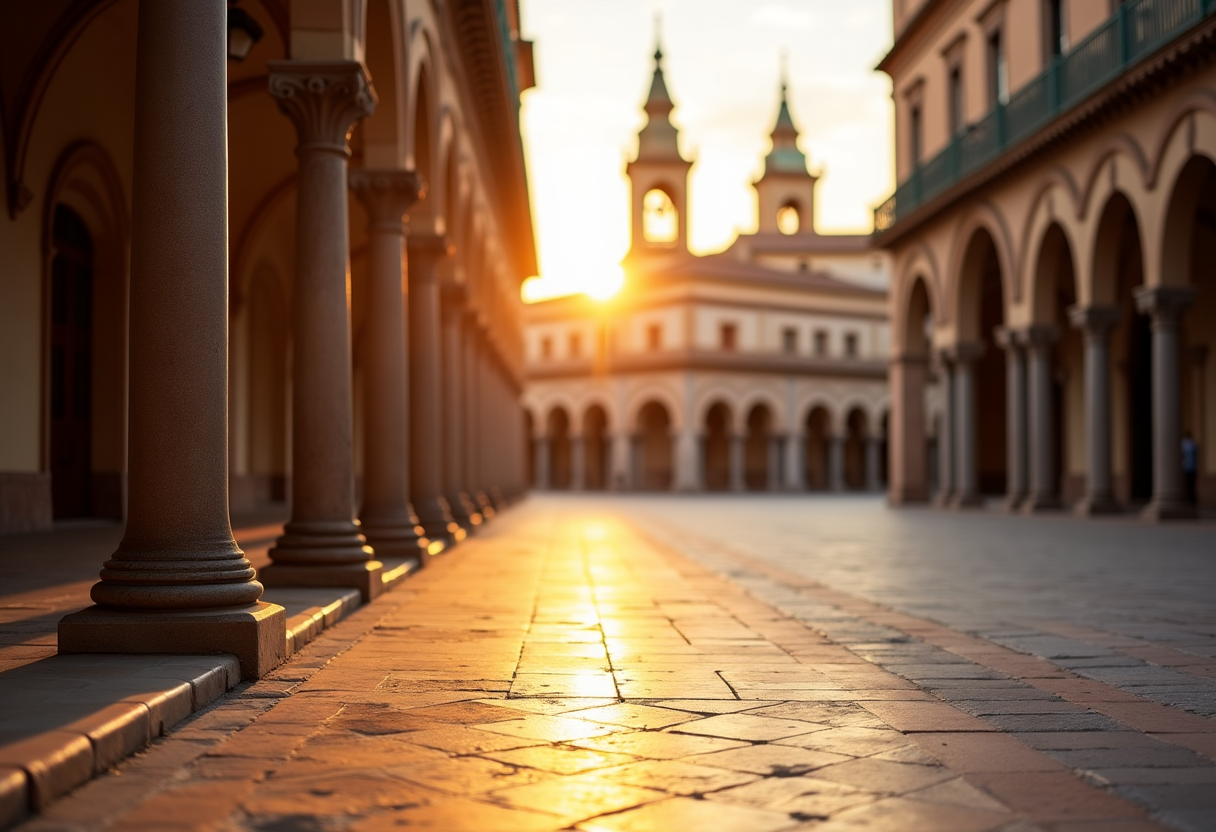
(578, 463)
(321, 544)
(385, 516)
(836, 463)
(1015, 404)
(178, 582)
(873, 451)
(541, 451)
(474, 403)
(774, 463)
(966, 487)
(1044, 492)
(426, 252)
(736, 462)
(1096, 322)
(505, 399)
(795, 462)
(687, 474)
(464, 512)
(1166, 304)
(946, 440)
(909, 466)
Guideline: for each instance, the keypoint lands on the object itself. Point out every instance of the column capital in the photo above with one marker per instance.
(429, 248)
(964, 353)
(386, 194)
(1165, 303)
(1008, 338)
(323, 99)
(1095, 319)
(1040, 335)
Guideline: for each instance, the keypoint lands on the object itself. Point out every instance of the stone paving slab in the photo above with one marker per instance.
(408, 715)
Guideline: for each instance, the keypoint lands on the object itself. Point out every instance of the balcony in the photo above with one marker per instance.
(1135, 31)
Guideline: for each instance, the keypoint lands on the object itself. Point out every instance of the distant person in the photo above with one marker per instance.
(1190, 465)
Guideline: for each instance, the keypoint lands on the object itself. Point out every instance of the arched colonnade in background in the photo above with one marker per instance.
(1071, 343)
(732, 445)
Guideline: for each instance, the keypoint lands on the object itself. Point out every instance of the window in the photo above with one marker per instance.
(654, 337)
(788, 219)
(660, 222)
(1055, 30)
(729, 336)
(576, 345)
(821, 342)
(850, 345)
(915, 134)
(546, 347)
(956, 100)
(998, 74)
(789, 340)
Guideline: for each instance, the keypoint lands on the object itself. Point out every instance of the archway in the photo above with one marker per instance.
(717, 448)
(559, 449)
(981, 312)
(595, 448)
(855, 437)
(913, 449)
(653, 448)
(818, 435)
(757, 450)
(1118, 271)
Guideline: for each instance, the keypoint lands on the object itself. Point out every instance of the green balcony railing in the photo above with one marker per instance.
(1135, 30)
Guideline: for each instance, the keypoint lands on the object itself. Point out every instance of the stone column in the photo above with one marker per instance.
(541, 449)
(474, 402)
(687, 474)
(322, 545)
(385, 516)
(736, 462)
(178, 582)
(836, 463)
(873, 451)
(1015, 404)
(909, 466)
(578, 463)
(464, 512)
(966, 487)
(946, 441)
(1044, 492)
(795, 463)
(1166, 304)
(505, 400)
(621, 476)
(1096, 322)
(426, 251)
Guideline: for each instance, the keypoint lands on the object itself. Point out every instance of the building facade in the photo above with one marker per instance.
(1053, 241)
(207, 290)
(759, 368)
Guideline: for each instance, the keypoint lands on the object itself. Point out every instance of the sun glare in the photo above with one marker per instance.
(600, 283)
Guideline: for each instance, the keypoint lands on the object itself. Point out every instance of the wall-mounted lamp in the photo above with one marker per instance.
(243, 33)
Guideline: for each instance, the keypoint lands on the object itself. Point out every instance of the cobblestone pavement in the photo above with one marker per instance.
(666, 664)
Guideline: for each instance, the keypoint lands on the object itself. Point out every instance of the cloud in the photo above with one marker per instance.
(779, 16)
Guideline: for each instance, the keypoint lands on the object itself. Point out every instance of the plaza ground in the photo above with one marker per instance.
(718, 663)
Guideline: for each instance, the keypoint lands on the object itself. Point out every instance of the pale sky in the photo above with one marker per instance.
(722, 65)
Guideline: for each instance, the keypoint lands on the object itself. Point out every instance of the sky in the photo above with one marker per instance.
(722, 62)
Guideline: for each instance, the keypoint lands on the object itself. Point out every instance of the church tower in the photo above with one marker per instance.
(786, 191)
(658, 177)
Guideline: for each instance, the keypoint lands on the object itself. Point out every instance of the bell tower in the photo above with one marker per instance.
(786, 191)
(658, 177)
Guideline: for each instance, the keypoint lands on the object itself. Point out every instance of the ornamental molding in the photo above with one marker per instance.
(322, 99)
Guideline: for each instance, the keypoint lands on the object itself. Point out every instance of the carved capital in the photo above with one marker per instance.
(1040, 336)
(386, 194)
(1165, 303)
(1095, 320)
(964, 353)
(1008, 338)
(428, 250)
(322, 99)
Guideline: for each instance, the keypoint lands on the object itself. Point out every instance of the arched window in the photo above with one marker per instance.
(789, 221)
(660, 221)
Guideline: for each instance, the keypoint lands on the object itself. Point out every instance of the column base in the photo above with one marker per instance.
(482, 499)
(499, 502)
(256, 634)
(1094, 506)
(464, 511)
(436, 520)
(1013, 503)
(907, 495)
(365, 577)
(321, 542)
(943, 499)
(1167, 509)
(395, 540)
(1041, 504)
(963, 501)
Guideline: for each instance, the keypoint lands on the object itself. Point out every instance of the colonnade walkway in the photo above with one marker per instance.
(735, 663)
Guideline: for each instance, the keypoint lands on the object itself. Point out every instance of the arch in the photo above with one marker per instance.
(820, 402)
(1053, 276)
(86, 182)
(589, 402)
(759, 465)
(778, 421)
(654, 457)
(982, 220)
(707, 400)
(557, 429)
(717, 446)
(594, 427)
(660, 217)
(443, 190)
(1125, 153)
(1046, 212)
(817, 436)
(643, 397)
(1186, 196)
(384, 53)
(857, 429)
(789, 216)
(920, 266)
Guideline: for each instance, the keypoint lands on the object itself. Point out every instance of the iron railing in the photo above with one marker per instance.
(1135, 30)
